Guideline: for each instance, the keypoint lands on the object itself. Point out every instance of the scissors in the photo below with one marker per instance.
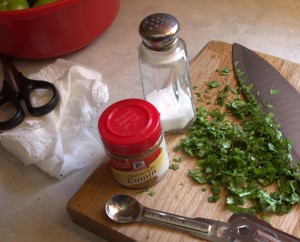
(16, 87)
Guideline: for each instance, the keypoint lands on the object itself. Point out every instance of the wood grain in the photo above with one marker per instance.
(175, 193)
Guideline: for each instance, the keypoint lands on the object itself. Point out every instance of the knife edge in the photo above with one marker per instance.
(255, 72)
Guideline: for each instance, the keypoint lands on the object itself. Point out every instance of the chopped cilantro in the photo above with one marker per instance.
(213, 84)
(174, 166)
(221, 98)
(242, 157)
(270, 106)
(151, 193)
(197, 94)
(227, 88)
(273, 91)
(224, 72)
(178, 160)
(266, 219)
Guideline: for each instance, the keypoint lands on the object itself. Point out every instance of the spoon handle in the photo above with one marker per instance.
(205, 229)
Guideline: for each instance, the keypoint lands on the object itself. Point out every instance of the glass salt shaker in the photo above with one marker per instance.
(165, 72)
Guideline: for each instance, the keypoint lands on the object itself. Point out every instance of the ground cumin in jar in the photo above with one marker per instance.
(134, 141)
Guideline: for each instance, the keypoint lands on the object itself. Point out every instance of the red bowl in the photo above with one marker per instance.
(56, 28)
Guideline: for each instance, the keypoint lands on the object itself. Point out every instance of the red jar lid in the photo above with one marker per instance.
(129, 127)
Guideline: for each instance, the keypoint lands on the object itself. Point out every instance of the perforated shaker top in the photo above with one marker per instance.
(159, 31)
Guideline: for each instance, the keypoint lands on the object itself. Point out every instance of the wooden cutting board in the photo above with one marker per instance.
(176, 192)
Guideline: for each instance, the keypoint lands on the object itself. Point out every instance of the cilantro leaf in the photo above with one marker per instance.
(274, 91)
(174, 166)
(213, 84)
(224, 72)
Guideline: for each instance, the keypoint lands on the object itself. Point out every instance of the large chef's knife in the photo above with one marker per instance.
(266, 80)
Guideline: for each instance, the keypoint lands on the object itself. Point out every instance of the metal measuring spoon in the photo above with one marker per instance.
(241, 227)
(125, 209)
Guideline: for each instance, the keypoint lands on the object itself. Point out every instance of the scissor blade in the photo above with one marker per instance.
(9, 73)
(266, 78)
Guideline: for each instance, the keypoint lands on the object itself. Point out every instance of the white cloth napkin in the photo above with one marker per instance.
(60, 142)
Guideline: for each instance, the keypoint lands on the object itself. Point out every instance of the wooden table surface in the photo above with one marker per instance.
(176, 192)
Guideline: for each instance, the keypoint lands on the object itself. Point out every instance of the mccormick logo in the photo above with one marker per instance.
(138, 165)
(127, 120)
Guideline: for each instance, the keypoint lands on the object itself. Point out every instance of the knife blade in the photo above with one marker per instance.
(265, 78)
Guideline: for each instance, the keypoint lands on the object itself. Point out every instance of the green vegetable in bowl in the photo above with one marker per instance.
(7, 5)
(43, 2)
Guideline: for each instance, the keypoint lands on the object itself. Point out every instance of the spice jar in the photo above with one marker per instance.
(134, 141)
(165, 74)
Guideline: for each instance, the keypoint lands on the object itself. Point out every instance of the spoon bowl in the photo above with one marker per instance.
(123, 209)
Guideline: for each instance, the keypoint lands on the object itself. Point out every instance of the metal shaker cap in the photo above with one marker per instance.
(159, 31)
